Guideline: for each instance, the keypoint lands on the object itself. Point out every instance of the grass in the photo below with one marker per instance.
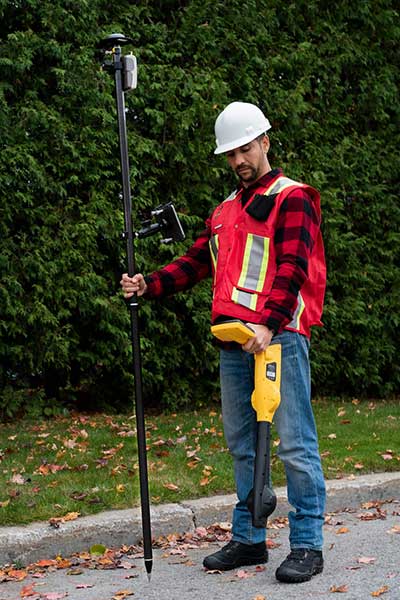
(88, 463)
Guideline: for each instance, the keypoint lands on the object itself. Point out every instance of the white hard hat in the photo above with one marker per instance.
(237, 125)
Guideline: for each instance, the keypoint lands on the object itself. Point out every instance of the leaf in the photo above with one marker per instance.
(259, 597)
(98, 549)
(54, 596)
(122, 594)
(17, 574)
(381, 591)
(366, 560)
(342, 589)
(387, 456)
(18, 479)
(213, 572)
(27, 591)
(342, 530)
(171, 486)
(395, 529)
(5, 503)
(75, 572)
(46, 563)
(242, 574)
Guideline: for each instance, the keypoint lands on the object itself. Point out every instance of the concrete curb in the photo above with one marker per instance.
(115, 528)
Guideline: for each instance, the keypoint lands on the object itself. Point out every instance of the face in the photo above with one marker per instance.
(249, 162)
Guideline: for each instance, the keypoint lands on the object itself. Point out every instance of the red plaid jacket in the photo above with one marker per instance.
(296, 231)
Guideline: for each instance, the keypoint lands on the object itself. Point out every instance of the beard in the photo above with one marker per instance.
(247, 173)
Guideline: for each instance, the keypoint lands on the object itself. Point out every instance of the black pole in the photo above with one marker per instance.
(133, 309)
(262, 499)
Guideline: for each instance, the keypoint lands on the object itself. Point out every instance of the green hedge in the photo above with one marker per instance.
(326, 76)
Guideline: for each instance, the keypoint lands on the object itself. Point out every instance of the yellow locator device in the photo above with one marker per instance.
(265, 399)
(267, 373)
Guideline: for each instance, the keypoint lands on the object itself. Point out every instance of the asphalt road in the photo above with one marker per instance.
(362, 561)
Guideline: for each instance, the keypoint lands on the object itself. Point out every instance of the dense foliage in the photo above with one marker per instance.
(327, 77)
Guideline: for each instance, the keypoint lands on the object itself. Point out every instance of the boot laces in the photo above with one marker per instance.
(297, 555)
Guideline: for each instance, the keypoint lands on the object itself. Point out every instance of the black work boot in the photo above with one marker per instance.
(236, 554)
(300, 565)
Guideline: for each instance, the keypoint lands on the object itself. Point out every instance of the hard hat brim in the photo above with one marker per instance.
(241, 141)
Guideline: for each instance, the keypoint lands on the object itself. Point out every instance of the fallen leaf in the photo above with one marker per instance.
(71, 516)
(122, 594)
(18, 479)
(5, 503)
(395, 529)
(27, 591)
(46, 563)
(342, 530)
(56, 521)
(332, 436)
(381, 591)
(366, 560)
(54, 596)
(342, 589)
(387, 456)
(171, 486)
(258, 597)
(98, 549)
(17, 574)
(358, 466)
(75, 572)
(242, 574)
(214, 572)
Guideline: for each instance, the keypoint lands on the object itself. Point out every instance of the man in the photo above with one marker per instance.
(264, 248)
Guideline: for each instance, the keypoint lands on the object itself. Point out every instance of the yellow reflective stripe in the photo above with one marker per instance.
(214, 246)
(235, 295)
(246, 259)
(253, 303)
(295, 322)
(280, 184)
(255, 263)
(264, 264)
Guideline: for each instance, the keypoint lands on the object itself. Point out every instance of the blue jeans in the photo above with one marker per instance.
(298, 448)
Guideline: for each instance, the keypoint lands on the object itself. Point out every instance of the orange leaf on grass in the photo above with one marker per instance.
(171, 486)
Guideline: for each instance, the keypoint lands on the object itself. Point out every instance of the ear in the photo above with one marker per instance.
(265, 144)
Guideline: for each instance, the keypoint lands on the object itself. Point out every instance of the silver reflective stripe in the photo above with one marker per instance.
(231, 196)
(280, 184)
(255, 262)
(244, 298)
(295, 322)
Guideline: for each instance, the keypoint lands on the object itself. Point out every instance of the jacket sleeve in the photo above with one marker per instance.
(184, 272)
(297, 229)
